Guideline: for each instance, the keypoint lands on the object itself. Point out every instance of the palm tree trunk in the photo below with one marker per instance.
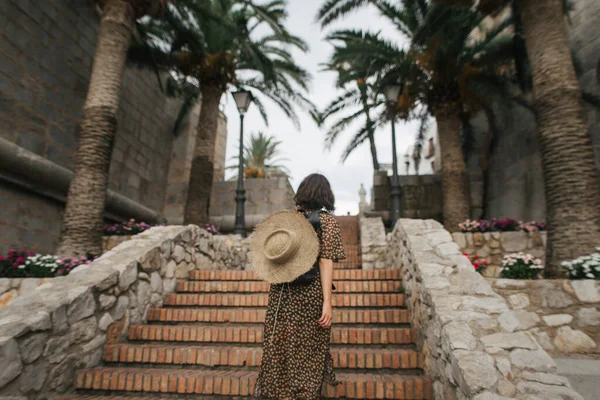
(202, 172)
(454, 177)
(570, 178)
(371, 136)
(82, 222)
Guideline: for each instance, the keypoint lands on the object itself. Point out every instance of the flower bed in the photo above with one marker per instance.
(27, 264)
(128, 228)
(502, 225)
(586, 267)
(521, 266)
(493, 246)
(478, 263)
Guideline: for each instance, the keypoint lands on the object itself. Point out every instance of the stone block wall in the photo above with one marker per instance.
(62, 326)
(492, 246)
(470, 352)
(263, 197)
(373, 243)
(563, 315)
(421, 196)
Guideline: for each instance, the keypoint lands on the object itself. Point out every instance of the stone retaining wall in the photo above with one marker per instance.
(373, 243)
(494, 245)
(50, 332)
(469, 352)
(564, 315)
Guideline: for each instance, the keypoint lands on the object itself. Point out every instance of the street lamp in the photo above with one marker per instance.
(407, 162)
(392, 92)
(243, 99)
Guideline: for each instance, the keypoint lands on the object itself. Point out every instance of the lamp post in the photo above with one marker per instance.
(243, 99)
(407, 162)
(392, 92)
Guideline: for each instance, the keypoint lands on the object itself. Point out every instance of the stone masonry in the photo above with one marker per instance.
(63, 325)
(563, 315)
(469, 351)
(492, 246)
(373, 243)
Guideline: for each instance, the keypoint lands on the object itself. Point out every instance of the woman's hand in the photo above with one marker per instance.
(325, 320)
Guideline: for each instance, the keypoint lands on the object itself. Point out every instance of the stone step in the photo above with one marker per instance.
(226, 356)
(244, 315)
(338, 275)
(254, 334)
(207, 383)
(263, 287)
(261, 300)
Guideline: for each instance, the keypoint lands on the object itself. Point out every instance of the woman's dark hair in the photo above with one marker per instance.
(314, 193)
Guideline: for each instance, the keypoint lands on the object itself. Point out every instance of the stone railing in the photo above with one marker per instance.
(494, 245)
(563, 315)
(50, 332)
(110, 242)
(469, 354)
(224, 251)
(373, 243)
(11, 288)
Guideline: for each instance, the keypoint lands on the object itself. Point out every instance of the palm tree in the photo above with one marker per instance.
(208, 43)
(261, 157)
(443, 70)
(570, 177)
(82, 221)
(360, 93)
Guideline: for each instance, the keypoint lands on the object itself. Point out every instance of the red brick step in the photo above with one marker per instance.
(225, 356)
(388, 286)
(261, 300)
(241, 315)
(199, 382)
(254, 334)
(338, 275)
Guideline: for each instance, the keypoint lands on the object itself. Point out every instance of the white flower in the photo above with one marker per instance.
(591, 276)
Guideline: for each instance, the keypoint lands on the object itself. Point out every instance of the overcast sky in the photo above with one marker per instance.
(304, 148)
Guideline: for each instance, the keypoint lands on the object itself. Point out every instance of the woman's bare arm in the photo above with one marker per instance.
(326, 268)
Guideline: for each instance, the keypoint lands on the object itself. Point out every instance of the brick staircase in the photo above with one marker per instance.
(205, 342)
(351, 240)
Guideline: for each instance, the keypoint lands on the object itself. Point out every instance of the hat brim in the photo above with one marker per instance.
(300, 263)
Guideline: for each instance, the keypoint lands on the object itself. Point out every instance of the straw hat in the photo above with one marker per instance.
(284, 246)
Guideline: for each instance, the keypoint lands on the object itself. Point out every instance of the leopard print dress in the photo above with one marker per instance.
(296, 359)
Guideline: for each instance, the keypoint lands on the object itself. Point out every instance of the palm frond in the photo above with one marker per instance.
(333, 10)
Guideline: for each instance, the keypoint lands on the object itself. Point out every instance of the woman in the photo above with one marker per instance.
(296, 359)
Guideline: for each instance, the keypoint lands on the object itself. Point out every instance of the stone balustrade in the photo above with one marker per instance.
(470, 352)
(494, 245)
(563, 315)
(49, 332)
